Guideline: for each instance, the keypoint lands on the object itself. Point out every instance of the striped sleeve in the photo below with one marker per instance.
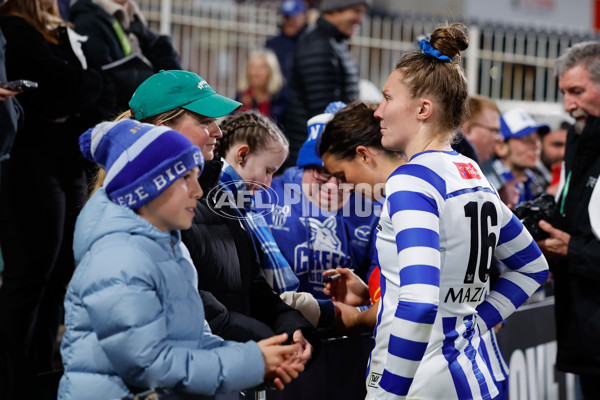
(527, 270)
(414, 213)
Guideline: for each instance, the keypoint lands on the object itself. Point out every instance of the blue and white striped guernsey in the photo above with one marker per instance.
(441, 223)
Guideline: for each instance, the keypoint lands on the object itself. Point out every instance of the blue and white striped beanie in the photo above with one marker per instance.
(141, 160)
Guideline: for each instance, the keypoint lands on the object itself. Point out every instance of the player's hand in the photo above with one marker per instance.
(348, 288)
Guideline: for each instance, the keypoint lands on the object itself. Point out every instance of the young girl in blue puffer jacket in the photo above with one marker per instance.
(133, 316)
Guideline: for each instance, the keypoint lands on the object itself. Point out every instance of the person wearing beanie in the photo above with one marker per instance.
(185, 102)
(133, 316)
(316, 222)
(221, 248)
(323, 69)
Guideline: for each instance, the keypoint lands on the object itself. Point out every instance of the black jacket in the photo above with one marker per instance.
(239, 303)
(323, 71)
(64, 105)
(103, 48)
(10, 112)
(577, 278)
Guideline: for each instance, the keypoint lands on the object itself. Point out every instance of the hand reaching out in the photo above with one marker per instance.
(350, 321)
(305, 353)
(281, 362)
(348, 289)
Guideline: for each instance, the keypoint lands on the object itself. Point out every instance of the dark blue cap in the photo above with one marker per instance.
(291, 8)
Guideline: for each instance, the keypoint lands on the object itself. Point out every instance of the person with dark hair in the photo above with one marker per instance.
(241, 308)
(43, 182)
(317, 223)
(323, 70)
(434, 307)
(574, 241)
(355, 127)
(238, 302)
(351, 149)
(552, 155)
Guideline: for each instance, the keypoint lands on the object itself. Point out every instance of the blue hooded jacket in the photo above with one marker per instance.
(134, 317)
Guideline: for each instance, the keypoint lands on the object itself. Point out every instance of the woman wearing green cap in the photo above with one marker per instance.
(221, 248)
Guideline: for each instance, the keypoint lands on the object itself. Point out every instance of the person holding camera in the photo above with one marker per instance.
(574, 240)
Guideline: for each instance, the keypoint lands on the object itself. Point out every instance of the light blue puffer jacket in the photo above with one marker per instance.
(133, 315)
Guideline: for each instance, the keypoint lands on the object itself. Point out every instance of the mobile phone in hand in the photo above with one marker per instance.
(19, 85)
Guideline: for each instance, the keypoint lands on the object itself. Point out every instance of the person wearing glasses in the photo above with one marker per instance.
(482, 129)
(316, 220)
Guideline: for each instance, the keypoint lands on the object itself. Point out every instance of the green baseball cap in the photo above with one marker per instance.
(168, 90)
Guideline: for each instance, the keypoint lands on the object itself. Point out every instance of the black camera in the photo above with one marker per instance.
(531, 212)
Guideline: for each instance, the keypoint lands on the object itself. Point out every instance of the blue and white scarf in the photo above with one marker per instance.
(276, 268)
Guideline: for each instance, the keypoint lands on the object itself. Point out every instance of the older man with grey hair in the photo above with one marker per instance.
(574, 240)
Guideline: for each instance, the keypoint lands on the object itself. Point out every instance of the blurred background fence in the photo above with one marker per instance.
(503, 62)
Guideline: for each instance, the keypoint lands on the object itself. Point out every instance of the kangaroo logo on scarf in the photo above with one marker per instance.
(322, 250)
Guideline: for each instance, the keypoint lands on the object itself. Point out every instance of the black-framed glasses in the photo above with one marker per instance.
(322, 175)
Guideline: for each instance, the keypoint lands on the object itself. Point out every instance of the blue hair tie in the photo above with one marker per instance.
(429, 50)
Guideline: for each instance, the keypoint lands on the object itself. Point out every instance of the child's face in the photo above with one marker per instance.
(259, 166)
(174, 208)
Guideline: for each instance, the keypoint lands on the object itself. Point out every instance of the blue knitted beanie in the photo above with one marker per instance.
(141, 160)
(307, 155)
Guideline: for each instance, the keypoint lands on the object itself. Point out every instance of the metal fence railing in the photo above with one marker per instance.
(503, 62)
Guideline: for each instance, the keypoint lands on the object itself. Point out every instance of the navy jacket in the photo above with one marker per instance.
(323, 71)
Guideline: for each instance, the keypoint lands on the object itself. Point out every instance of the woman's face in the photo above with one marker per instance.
(396, 113)
(353, 171)
(259, 73)
(202, 132)
(258, 167)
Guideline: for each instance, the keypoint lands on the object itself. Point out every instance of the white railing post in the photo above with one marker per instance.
(165, 17)
(472, 62)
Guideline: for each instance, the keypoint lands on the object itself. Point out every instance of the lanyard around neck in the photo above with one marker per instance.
(564, 193)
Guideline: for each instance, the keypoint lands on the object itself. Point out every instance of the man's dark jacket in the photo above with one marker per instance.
(239, 303)
(323, 71)
(103, 48)
(577, 278)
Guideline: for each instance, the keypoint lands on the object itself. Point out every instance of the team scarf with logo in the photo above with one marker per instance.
(276, 268)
